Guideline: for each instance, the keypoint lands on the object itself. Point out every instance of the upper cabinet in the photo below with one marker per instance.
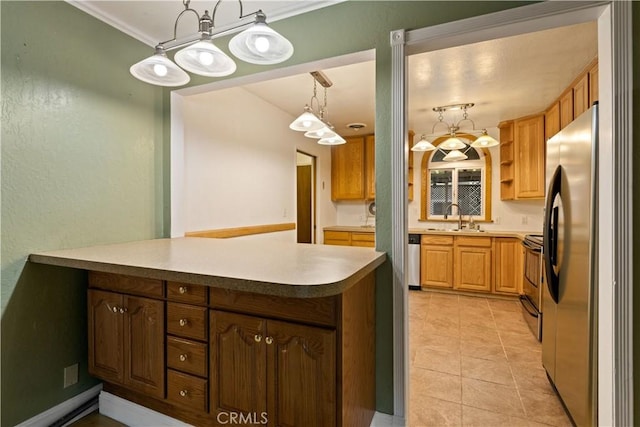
(529, 166)
(370, 167)
(593, 83)
(566, 108)
(552, 120)
(348, 169)
(581, 95)
(507, 165)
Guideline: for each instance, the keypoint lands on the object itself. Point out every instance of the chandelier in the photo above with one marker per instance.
(258, 44)
(453, 145)
(314, 120)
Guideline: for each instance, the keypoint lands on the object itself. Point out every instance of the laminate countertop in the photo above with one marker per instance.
(489, 233)
(281, 268)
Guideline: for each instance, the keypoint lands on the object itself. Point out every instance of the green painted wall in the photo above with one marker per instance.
(85, 160)
(81, 165)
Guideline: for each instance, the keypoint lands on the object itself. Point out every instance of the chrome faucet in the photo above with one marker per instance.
(459, 214)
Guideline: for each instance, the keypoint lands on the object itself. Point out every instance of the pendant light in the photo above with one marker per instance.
(334, 140)
(484, 141)
(423, 145)
(307, 121)
(324, 132)
(258, 44)
(159, 70)
(452, 143)
(455, 156)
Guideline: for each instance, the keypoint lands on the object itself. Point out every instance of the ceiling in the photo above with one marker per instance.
(505, 78)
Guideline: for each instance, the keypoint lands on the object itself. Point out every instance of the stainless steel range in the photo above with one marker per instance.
(531, 301)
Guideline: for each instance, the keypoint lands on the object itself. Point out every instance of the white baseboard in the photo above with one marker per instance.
(134, 415)
(52, 415)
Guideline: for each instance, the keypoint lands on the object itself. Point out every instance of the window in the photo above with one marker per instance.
(451, 186)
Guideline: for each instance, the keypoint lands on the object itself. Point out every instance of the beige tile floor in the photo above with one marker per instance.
(474, 362)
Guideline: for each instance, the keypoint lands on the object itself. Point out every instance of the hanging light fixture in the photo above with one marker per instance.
(258, 44)
(453, 143)
(314, 122)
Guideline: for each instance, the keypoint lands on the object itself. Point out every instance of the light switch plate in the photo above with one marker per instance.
(70, 375)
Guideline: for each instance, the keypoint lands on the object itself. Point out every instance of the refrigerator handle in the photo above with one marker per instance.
(550, 236)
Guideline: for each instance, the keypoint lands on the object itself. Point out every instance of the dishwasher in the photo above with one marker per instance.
(414, 262)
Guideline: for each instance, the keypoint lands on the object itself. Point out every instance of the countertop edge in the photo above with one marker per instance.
(267, 288)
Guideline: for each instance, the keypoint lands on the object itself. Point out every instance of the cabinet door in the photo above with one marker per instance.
(144, 341)
(238, 363)
(566, 108)
(529, 140)
(508, 264)
(347, 170)
(436, 266)
(581, 96)
(301, 372)
(552, 121)
(370, 167)
(593, 85)
(105, 335)
(472, 268)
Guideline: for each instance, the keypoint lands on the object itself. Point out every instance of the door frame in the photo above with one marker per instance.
(615, 216)
(313, 158)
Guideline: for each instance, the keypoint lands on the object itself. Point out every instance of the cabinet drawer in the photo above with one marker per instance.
(126, 284)
(319, 311)
(363, 239)
(182, 292)
(429, 239)
(187, 390)
(187, 321)
(337, 235)
(187, 356)
(484, 242)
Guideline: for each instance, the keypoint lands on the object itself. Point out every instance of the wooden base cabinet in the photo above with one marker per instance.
(126, 341)
(281, 372)
(508, 265)
(436, 258)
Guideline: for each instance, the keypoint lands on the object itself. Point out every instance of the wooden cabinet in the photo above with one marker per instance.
(282, 369)
(472, 261)
(436, 261)
(566, 108)
(552, 120)
(593, 84)
(508, 256)
(507, 161)
(126, 341)
(581, 95)
(370, 167)
(347, 169)
(530, 165)
(350, 238)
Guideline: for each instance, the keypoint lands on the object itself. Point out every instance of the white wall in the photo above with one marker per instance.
(239, 165)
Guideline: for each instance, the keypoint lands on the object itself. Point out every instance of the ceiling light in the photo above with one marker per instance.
(314, 121)
(484, 141)
(452, 143)
(423, 145)
(258, 44)
(159, 70)
(455, 156)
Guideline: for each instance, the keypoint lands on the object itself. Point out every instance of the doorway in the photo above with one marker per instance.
(305, 198)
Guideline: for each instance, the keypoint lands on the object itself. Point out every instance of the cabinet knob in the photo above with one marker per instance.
(268, 340)
(123, 310)
(115, 309)
(183, 289)
(184, 393)
(183, 357)
(183, 322)
(258, 338)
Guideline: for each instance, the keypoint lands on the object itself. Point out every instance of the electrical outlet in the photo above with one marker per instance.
(70, 375)
(284, 213)
(525, 220)
(496, 220)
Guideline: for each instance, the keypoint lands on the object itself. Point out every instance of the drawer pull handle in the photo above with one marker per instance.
(183, 289)
(268, 340)
(258, 338)
(183, 322)
(115, 309)
(184, 393)
(183, 357)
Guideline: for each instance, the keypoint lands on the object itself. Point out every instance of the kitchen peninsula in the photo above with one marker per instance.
(195, 328)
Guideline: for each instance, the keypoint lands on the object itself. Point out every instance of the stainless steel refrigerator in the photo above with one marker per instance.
(569, 342)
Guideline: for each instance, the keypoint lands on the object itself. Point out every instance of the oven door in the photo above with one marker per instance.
(533, 276)
(531, 316)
